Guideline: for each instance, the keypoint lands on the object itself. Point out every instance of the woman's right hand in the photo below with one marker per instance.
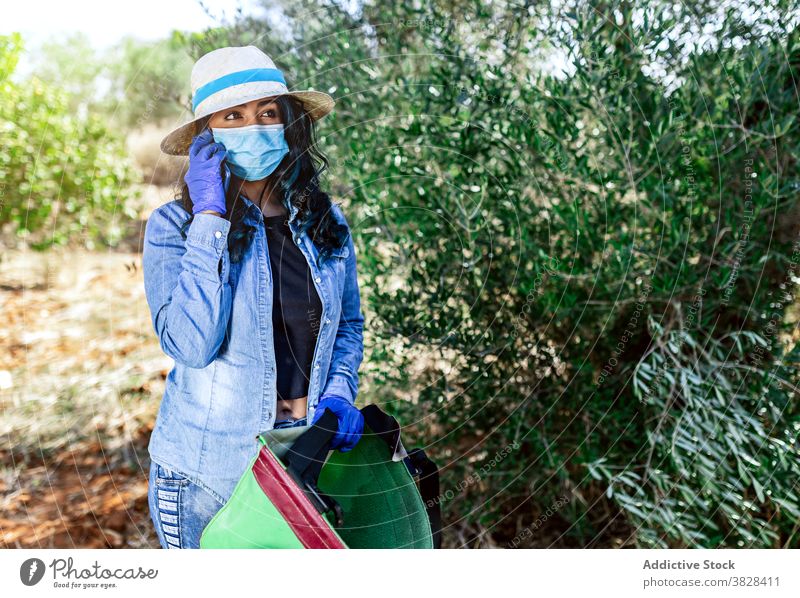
(203, 177)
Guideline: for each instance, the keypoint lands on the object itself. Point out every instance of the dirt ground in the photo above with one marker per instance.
(81, 376)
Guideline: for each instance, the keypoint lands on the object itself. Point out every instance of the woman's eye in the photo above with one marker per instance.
(271, 113)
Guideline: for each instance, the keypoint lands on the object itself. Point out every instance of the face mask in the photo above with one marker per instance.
(254, 151)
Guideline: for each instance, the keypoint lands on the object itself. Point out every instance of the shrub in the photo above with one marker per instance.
(64, 177)
(577, 239)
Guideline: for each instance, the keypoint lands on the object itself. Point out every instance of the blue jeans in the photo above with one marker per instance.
(179, 508)
(290, 423)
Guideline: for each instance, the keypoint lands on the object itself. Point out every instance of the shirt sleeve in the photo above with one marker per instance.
(186, 285)
(348, 347)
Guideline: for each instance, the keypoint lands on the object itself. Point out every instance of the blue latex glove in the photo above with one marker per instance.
(203, 177)
(351, 422)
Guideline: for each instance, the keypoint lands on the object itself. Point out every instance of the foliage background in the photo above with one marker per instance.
(577, 229)
(64, 176)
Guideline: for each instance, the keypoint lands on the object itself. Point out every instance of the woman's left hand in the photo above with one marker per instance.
(351, 422)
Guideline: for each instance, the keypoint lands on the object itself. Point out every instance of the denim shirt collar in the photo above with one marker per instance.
(254, 209)
(255, 213)
(255, 216)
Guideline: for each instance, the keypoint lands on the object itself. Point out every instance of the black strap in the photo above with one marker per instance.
(309, 452)
(305, 459)
(383, 425)
(428, 474)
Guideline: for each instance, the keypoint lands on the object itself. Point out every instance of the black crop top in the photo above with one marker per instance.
(296, 310)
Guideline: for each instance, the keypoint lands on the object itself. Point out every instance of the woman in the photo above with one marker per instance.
(250, 276)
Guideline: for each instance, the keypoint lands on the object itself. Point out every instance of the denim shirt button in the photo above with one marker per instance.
(318, 279)
(218, 234)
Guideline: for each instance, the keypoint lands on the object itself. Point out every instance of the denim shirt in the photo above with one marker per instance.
(214, 319)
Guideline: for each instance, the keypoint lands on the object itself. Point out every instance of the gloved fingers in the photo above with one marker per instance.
(210, 150)
(350, 422)
(331, 405)
(200, 141)
(219, 156)
(353, 429)
(336, 441)
(204, 170)
(196, 151)
(356, 423)
(347, 442)
(345, 445)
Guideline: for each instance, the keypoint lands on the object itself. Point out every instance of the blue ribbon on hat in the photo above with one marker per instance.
(236, 78)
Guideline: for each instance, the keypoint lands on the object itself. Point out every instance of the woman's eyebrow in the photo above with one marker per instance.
(261, 103)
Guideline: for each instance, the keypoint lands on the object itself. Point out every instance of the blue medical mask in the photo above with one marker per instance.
(254, 151)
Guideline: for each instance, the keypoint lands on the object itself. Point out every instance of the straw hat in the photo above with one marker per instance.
(230, 76)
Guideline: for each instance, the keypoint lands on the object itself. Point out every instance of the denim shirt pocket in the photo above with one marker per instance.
(336, 263)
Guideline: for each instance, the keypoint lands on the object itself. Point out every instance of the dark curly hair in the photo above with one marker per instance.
(298, 176)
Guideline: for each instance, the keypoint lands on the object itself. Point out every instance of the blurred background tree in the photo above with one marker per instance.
(576, 239)
(148, 81)
(65, 176)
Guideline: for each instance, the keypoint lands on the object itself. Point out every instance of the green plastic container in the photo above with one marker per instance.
(296, 493)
